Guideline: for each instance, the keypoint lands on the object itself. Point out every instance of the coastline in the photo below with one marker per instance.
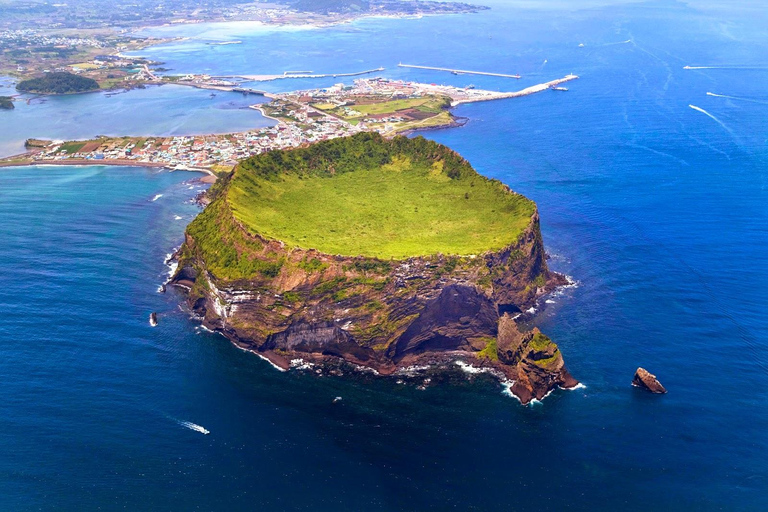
(299, 121)
(81, 162)
(307, 24)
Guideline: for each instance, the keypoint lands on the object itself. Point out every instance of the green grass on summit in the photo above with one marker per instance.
(368, 196)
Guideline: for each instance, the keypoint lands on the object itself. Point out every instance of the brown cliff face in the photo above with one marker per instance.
(646, 380)
(385, 315)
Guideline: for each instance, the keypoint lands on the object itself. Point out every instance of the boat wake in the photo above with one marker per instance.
(737, 98)
(158, 196)
(194, 426)
(699, 109)
(737, 68)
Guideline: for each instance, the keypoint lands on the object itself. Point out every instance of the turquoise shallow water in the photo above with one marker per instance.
(656, 209)
(163, 111)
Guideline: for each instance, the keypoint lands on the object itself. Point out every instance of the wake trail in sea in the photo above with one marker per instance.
(193, 426)
(699, 109)
(735, 68)
(620, 42)
(761, 102)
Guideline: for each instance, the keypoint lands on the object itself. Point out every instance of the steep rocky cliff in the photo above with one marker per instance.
(287, 302)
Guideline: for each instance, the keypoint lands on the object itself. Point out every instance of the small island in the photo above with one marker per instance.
(59, 82)
(383, 253)
(6, 103)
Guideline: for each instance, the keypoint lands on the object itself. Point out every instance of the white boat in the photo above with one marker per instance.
(195, 427)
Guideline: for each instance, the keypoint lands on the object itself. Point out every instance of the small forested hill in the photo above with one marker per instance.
(6, 103)
(58, 83)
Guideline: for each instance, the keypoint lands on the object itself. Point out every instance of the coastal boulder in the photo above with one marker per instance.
(646, 380)
(532, 361)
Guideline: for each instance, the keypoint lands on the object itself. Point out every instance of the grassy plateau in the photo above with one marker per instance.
(368, 196)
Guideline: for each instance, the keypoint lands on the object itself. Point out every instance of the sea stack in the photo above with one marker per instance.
(385, 253)
(153, 319)
(646, 380)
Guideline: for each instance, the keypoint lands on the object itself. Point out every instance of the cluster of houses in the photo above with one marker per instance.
(299, 123)
(33, 38)
(203, 151)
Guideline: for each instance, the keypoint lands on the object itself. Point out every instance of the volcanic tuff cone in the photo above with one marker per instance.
(381, 252)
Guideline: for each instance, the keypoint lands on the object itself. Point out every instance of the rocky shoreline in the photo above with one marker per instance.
(454, 320)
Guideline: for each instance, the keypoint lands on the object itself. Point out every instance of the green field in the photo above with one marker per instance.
(393, 106)
(71, 147)
(368, 196)
(431, 105)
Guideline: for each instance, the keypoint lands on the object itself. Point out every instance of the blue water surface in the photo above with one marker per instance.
(658, 210)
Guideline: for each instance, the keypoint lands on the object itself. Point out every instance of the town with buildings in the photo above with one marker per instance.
(380, 105)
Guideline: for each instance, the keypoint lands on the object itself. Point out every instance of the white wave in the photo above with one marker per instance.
(171, 263)
(194, 426)
(177, 217)
(550, 301)
(365, 369)
(410, 370)
(301, 364)
(266, 359)
(472, 370)
(572, 283)
(506, 389)
(737, 98)
(577, 386)
(536, 401)
(157, 196)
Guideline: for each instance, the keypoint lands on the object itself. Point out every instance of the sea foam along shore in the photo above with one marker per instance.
(78, 162)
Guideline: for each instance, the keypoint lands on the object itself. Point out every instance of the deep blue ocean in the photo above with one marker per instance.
(658, 210)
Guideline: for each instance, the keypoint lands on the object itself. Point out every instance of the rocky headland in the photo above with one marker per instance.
(385, 253)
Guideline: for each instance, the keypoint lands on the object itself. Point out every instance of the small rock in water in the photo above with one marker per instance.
(153, 319)
(646, 380)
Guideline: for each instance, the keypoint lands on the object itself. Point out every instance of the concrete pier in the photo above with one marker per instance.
(293, 74)
(458, 71)
(524, 92)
